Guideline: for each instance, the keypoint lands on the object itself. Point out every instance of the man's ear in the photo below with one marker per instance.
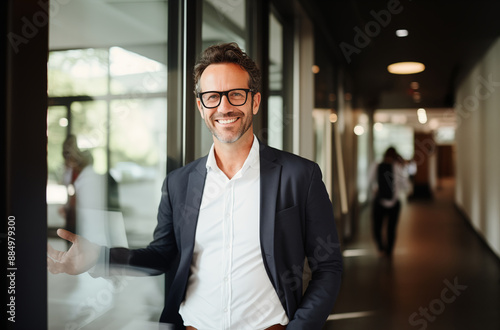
(200, 108)
(256, 103)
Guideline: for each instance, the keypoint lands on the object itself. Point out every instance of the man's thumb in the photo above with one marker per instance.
(67, 235)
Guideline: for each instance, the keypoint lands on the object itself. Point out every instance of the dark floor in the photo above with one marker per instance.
(441, 276)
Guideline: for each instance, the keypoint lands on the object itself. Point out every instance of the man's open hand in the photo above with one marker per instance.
(81, 256)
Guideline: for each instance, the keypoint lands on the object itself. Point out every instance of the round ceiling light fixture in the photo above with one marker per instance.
(406, 67)
(402, 33)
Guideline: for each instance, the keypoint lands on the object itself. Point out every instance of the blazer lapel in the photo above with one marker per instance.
(270, 172)
(194, 194)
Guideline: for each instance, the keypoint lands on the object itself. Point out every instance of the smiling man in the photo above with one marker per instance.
(227, 118)
(236, 226)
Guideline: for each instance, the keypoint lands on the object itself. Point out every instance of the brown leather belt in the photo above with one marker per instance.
(274, 327)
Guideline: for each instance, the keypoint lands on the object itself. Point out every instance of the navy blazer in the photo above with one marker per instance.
(296, 222)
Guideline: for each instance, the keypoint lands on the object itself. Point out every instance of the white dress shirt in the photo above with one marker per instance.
(228, 285)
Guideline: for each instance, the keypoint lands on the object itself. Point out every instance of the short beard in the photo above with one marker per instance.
(239, 134)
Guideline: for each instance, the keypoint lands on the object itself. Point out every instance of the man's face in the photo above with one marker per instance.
(226, 122)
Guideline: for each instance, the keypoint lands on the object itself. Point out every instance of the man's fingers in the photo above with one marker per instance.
(52, 253)
(53, 266)
(67, 235)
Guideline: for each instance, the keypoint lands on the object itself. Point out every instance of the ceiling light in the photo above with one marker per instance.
(359, 130)
(333, 118)
(422, 116)
(406, 67)
(63, 122)
(434, 123)
(417, 97)
(402, 33)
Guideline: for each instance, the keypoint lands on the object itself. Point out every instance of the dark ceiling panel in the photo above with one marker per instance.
(447, 36)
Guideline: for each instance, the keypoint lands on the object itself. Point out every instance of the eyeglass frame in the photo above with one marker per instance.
(226, 93)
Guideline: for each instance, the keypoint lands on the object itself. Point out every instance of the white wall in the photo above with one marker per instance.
(478, 153)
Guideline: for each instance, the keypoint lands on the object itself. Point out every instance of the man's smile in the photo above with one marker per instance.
(227, 121)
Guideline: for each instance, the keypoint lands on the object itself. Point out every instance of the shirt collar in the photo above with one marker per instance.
(252, 160)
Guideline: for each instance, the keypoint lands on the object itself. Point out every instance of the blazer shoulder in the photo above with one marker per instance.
(285, 158)
(180, 174)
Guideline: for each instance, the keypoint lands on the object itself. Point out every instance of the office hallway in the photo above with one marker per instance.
(441, 276)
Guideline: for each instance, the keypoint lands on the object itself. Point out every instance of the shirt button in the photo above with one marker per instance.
(225, 310)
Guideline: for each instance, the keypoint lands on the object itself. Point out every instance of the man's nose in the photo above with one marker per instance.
(224, 106)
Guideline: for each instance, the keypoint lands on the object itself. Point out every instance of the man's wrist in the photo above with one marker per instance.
(101, 267)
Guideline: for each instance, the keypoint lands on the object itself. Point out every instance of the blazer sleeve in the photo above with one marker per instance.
(159, 254)
(324, 258)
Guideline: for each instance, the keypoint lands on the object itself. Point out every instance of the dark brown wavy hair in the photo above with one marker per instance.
(227, 53)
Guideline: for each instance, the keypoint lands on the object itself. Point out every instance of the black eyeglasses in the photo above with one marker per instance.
(236, 97)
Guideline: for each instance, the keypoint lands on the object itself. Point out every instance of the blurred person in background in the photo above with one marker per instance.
(389, 182)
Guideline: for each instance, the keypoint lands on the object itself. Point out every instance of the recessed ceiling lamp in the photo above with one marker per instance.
(422, 116)
(359, 130)
(402, 33)
(333, 117)
(417, 97)
(406, 67)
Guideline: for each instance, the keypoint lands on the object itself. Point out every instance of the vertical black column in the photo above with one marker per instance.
(25, 172)
(257, 23)
(174, 93)
(192, 47)
(184, 42)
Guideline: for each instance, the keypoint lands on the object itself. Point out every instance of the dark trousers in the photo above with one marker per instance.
(380, 214)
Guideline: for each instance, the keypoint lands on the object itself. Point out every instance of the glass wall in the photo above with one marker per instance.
(275, 113)
(111, 129)
(362, 131)
(107, 151)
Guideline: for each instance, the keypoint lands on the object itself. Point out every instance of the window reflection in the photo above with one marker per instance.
(134, 73)
(78, 72)
(107, 90)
